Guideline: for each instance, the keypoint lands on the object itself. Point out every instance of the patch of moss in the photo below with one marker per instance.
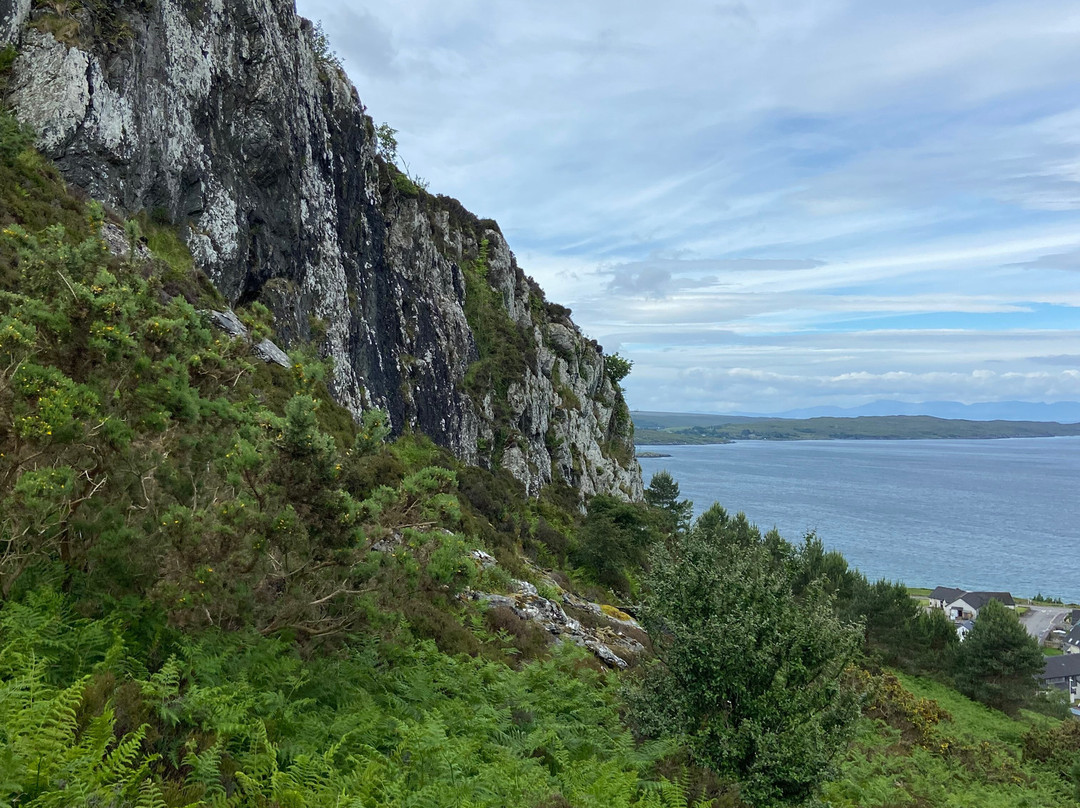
(100, 26)
(405, 186)
(612, 611)
(165, 243)
(63, 28)
(506, 352)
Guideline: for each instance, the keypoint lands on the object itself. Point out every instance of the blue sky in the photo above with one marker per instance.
(764, 205)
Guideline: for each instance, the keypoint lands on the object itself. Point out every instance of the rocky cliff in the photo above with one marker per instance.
(226, 120)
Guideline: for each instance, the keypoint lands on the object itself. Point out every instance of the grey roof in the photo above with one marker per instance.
(1074, 617)
(946, 593)
(968, 624)
(1060, 666)
(1073, 637)
(979, 599)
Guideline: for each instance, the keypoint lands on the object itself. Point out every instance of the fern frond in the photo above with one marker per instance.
(150, 797)
(205, 768)
(121, 760)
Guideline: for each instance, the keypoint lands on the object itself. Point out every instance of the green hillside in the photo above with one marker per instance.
(217, 589)
(921, 743)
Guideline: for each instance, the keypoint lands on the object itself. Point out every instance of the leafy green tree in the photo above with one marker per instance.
(617, 367)
(750, 676)
(613, 542)
(663, 495)
(324, 51)
(999, 660)
(829, 567)
(896, 630)
(386, 139)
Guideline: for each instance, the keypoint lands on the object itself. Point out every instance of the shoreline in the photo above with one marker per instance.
(726, 441)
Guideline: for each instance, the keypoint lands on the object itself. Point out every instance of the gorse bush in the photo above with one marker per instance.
(922, 743)
(613, 543)
(146, 455)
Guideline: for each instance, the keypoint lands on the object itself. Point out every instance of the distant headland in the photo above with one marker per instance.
(667, 428)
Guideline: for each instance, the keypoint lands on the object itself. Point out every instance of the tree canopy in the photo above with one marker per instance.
(663, 495)
(748, 674)
(613, 542)
(999, 660)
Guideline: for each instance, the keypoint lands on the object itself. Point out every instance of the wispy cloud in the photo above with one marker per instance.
(1069, 261)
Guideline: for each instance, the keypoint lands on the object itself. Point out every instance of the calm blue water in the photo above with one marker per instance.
(986, 514)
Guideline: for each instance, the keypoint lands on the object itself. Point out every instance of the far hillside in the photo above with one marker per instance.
(660, 428)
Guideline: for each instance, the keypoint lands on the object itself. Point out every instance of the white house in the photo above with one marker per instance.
(967, 606)
(963, 628)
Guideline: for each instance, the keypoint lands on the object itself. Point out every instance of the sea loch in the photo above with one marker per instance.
(989, 514)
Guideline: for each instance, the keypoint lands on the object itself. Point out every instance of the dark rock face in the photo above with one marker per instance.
(222, 118)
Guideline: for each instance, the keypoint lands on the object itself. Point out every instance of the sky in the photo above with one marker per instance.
(764, 205)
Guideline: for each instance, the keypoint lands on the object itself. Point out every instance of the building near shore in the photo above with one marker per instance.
(959, 604)
(1063, 673)
(942, 596)
(1070, 643)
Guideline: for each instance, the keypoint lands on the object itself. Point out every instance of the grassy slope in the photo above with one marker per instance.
(658, 437)
(973, 757)
(192, 610)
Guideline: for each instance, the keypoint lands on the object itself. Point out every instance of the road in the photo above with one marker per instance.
(1040, 619)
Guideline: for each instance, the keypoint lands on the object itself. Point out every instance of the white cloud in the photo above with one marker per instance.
(762, 184)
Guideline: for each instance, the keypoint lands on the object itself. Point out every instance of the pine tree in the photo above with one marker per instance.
(663, 494)
(999, 660)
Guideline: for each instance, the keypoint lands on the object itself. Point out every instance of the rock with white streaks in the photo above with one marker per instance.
(224, 118)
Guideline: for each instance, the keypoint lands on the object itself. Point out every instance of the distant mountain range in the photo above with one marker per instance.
(1064, 412)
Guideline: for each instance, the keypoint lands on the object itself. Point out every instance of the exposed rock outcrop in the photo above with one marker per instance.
(607, 640)
(223, 118)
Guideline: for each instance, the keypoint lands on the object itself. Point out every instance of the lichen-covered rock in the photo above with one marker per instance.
(550, 615)
(13, 14)
(117, 242)
(268, 352)
(607, 628)
(228, 322)
(223, 118)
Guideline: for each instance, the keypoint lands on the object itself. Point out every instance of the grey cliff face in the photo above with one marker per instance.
(12, 15)
(222, 118)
